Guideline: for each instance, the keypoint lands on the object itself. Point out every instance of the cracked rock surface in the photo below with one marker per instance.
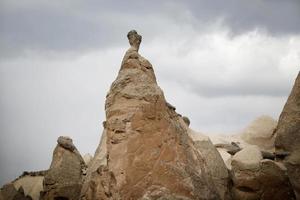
(149, 154)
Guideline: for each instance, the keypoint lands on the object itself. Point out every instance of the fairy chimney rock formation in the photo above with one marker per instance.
(149, 154)
(64, 178)
(287, 142)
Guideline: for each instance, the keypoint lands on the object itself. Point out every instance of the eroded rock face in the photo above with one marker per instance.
(287, 140)
(32, 185)
(149, 153)
(9, 192)
(215, 163)
(27, 186)
(64, 178)
(255, 178)
(261, 133)
(87, 158)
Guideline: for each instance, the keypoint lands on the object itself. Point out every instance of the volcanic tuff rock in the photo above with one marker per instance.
(27, 186)
(9, 192)
(149, 154)
(260, 132)
(214, 161)
(32, 185)
(255, 178)
(64, 178)
(287, 140)
(87, 158)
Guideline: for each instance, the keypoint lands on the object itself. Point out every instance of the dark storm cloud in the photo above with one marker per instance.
(69, 26)
(77, 26)
(49, 28)
(276, 16)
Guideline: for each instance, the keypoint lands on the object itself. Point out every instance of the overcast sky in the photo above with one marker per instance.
(221, 63)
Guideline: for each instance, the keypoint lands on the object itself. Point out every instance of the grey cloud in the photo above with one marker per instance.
(270, 84)
(277, 17)
(78, 26)
(250, 86)
(71, 27)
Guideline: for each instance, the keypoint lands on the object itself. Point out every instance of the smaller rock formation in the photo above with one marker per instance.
(9, 192)
(64, 178)
(214, 161)
(27, 186)
(186, 120)
(287, 142)
(97, 170)
(260, 132)
(255, 178)
(248, 158)
(231, 148)
(31, 184)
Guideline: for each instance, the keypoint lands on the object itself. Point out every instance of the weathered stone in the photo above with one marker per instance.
(230, 148)
(214, 161)
(274, 181)
(288, 136)
(247, 159)
(146, 146)
(32, 185)
(87, 158)
(186, 120)
(134, 39)
(260, 132)
(99, 161)
(9, 192)
(64, 178)
(268, 155)
(257, 179)
(106, 189)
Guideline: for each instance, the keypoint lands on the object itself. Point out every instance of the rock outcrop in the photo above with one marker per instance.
(214, 161)
(287, 142)
(27, 186)
(255, 178)
(32, 185)
(9, 192)
(260, 132)
(149, 154)
(64, 178)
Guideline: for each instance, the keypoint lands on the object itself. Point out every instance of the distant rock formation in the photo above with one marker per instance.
(9, 192)
(27, 186)
(261, 133)
(32, 185)
(250, 158)
(64, 178)
(258, 179)
(287, 142)
(149, 154)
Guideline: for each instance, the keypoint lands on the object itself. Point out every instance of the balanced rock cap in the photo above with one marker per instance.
(134, 39)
